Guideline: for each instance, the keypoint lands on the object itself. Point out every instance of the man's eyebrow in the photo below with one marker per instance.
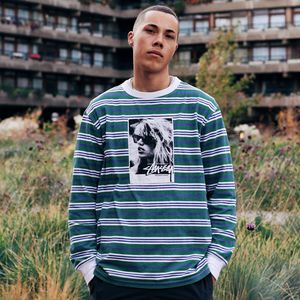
(156, 27)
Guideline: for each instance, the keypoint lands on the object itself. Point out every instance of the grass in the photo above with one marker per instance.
(34, 247)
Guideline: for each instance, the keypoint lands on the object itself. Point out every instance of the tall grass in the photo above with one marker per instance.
(35, 178)
(268, 175)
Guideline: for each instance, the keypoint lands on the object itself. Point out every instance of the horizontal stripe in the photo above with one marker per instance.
(152, 187)
(216, 151)
(151, 205)
(151, 222)
(88, 155)
(156, 276)
(154, 241)
(149, 258)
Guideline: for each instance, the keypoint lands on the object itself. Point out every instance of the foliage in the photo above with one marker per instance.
(265, 265)
(216, 78)
(267, 175)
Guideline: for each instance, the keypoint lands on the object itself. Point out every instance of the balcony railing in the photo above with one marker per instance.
(242, 60)
(67, 60)
(80, 28)
(239, 28)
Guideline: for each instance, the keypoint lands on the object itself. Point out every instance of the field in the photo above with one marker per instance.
(34, 189)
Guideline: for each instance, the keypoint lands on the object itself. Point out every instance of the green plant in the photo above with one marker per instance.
(38, 94)
(216, 77)
(179, 6)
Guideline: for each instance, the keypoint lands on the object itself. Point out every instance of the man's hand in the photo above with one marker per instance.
(213, 279)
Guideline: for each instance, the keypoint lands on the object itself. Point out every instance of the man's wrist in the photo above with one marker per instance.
(87, 270)
(215, 265)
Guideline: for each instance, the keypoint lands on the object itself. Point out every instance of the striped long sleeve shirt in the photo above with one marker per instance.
(152, 203)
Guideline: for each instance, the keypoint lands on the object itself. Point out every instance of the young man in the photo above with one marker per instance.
(167, 231)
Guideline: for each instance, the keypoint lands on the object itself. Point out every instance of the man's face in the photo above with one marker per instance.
(154, 41)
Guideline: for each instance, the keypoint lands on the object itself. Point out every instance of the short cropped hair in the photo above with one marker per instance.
(161, 8)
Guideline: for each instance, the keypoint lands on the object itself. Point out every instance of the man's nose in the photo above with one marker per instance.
(158, 42)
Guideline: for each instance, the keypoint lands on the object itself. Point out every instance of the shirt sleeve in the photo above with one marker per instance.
(88, 158)
(220, 187)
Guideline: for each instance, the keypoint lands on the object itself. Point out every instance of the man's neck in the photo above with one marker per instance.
(150, 82)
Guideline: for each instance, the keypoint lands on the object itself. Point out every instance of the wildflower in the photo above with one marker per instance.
(250, 226)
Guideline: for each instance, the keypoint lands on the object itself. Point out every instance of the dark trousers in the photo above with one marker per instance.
(201, 290)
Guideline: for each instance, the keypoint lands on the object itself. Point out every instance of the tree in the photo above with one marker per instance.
(216, 78)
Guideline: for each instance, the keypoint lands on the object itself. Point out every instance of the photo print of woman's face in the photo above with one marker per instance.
(151, 150)
(146, 142)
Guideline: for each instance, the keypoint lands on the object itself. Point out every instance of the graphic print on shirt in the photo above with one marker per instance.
(150, 142)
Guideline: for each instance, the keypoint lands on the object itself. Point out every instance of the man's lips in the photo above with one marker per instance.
(157, 53)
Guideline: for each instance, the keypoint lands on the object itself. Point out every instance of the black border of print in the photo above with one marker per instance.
(151, 148)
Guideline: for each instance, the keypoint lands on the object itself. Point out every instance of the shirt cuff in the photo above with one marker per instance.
(215, 265)
(87, 270)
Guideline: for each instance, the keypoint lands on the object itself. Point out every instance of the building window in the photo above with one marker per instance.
(49, 21)
(62, 24)
(185, 27)
(98, 29)
(278, 53)
(241, 55)
(182, 57)
(23, 48)
(76, 56)
(98, 59)
(23, 82)
(260, 19)
(9, 47)
(85, 27)
(23, 15)
(63, 54)
(62, 87)
(260, 53)
(86, 58)
(222, 21)
(8, 81)
(74, 24)
(37, 83)
(240, 21)
(9, 13)
(35, 49)
(37, 19)
(202, 25)
(87, 90)
(277, 18)
(297, 16)
(98, 89)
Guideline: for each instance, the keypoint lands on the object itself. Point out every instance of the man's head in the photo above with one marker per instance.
(154, 38)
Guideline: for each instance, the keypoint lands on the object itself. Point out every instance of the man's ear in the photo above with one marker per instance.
(175, 49)
(130, 38)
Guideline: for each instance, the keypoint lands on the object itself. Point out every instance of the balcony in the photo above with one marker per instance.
(60, 32)
(246, 65)
(47, 100)
(278, 100)
(243, 34)
(20, 61)
(94, 8)
(239, 5)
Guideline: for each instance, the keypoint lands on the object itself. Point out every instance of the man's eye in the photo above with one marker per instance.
(170, 37)
(150, 30)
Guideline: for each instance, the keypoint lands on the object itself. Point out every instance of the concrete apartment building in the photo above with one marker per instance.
(61, 54)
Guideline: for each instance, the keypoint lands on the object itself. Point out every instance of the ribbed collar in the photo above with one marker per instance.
(127, 86)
